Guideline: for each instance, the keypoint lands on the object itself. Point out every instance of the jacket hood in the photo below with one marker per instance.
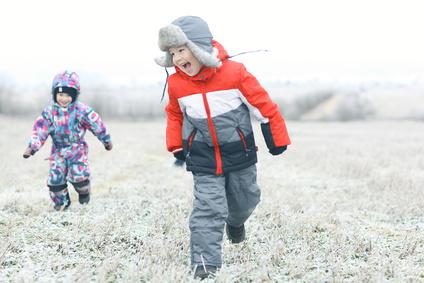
(222, 53)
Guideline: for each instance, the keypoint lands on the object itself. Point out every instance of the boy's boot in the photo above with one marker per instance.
(235, 234)
(83, 190)
(204, 271)
(60, 196)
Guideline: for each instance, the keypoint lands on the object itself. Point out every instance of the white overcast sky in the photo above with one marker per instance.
(116, 41)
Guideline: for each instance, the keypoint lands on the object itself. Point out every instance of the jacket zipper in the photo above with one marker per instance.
(243, 140)
(213, 133)
(190, 141)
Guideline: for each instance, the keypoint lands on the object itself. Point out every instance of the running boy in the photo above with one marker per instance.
(66, 121)
(208, 125)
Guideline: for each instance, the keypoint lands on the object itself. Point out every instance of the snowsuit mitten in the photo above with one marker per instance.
(108, 145)
(28, 152)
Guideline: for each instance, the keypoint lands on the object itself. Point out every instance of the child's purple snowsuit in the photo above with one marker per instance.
(67, 127)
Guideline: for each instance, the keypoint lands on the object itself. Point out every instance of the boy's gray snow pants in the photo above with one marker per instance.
(218, 200)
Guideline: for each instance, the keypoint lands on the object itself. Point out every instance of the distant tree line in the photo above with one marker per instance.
(301, 103)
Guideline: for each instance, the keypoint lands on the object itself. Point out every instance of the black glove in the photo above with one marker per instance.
(278, 150)
(108, 145)
(28, 152)
(178, 163)
(179, 155)
(180, 158)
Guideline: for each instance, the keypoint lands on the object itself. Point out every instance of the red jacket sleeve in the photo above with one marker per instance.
(273, 125)
(174, 123)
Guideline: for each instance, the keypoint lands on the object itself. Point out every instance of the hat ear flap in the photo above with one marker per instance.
(165, 61)
(204, 57)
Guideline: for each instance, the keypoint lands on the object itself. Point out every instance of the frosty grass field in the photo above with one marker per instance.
(344, 203)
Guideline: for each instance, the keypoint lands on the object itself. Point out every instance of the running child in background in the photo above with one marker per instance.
(66, 121)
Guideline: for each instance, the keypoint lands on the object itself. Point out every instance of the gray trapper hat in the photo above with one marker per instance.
(190, 31)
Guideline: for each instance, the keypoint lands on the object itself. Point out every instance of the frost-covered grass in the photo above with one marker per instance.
(344, 203)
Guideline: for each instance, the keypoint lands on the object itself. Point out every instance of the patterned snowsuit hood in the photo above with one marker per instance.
(66, 79)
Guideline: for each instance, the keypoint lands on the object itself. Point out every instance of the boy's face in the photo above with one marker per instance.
(63, 99)
(185, 60)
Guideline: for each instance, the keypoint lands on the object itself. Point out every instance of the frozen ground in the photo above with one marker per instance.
(344, 203)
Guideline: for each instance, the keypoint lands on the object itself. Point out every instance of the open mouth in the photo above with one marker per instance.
(186, 65)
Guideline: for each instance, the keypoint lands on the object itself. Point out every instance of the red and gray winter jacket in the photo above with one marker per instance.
(208, 117)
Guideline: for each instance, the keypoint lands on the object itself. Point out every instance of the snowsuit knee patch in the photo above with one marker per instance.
(57, 188)
(82, 187)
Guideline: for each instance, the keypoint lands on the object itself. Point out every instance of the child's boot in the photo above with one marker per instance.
(84, 198)
(204, 271)
(235, 234)
(83, 189)
(60, 196)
